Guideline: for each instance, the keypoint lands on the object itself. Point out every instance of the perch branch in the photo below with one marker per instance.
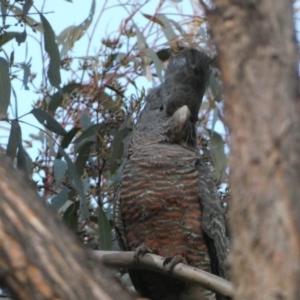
(155, 263)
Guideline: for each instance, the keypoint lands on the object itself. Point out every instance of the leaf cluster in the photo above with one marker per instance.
(86, 105)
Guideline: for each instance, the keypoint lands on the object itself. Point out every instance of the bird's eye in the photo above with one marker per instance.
(161, 107)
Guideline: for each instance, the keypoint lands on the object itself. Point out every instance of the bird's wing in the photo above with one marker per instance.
(213, 220)
(118, 221)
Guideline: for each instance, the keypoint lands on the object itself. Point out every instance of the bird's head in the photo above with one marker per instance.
(171, 109)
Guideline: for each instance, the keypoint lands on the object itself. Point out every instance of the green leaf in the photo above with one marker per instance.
(157, 63)
(3, 10)
(26, 70)
(167, 28)
(153, 19)
(105, 235)
(214, 120)
(218, 156)
(58, 97)
(7, 36)
(45, 119)
(50, 143)
(24, 161)
(118, 145)
(71, 34)
(215, 87)
(67, 139)
(21, 38)
(110, 60)
(83, 156)
(85, 120)
(142, 45)
(60, 199)
(117, 175)
(52, 50)
(114, 90)
(178, 27)
(30, 21)
(86, 184)
(15, 138)
(26, 7)
(91, 131)
(59, 170)
(70, 216)
(5, 86)
(76, 183)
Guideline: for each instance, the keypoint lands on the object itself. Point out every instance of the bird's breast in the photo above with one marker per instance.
(160, 204)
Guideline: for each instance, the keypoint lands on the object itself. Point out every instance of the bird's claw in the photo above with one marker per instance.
(171, 261)
(141, 251)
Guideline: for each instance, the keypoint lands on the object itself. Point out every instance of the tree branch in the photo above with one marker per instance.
(155, 263)
(39, 257)
(258, 58)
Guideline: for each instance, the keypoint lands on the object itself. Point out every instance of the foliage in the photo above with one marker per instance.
(86, 116)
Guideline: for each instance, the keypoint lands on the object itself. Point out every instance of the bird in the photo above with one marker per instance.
(168, 200)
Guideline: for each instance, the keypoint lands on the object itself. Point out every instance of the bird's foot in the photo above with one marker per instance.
(141, 251)
(170, 262)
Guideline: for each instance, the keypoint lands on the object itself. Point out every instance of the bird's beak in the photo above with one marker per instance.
(179, 119)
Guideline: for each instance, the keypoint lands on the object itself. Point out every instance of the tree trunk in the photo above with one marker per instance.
(39, 257)
(258, 59)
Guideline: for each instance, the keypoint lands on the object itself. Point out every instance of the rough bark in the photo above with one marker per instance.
(39, 257)
(258, 59)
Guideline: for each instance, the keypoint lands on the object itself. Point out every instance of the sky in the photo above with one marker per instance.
(62, 14)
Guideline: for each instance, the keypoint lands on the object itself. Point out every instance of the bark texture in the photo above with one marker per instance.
(39, 257)
(258, 59)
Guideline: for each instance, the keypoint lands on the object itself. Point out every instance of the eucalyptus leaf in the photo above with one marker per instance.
(91, 131)
(67, 139)
(86, 184)
(58, 97)
(215, 87)
(26, 73)
(3, 10)
(83, 156)
(105, 234)
(7, 36)
(71, 34)
(14, 140)
(32, 23)
(5, 86)
(52, 50)
(167, 28)
(21, 38)
(157, 63)
(59, 170)
(76, 183)
(70, 216)
(60, 199)
(118, 148)
(24, 161)
(142, 45)
(45, 119)
(85, 120)
(217, 153)
(153, 19)
(26, 7)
